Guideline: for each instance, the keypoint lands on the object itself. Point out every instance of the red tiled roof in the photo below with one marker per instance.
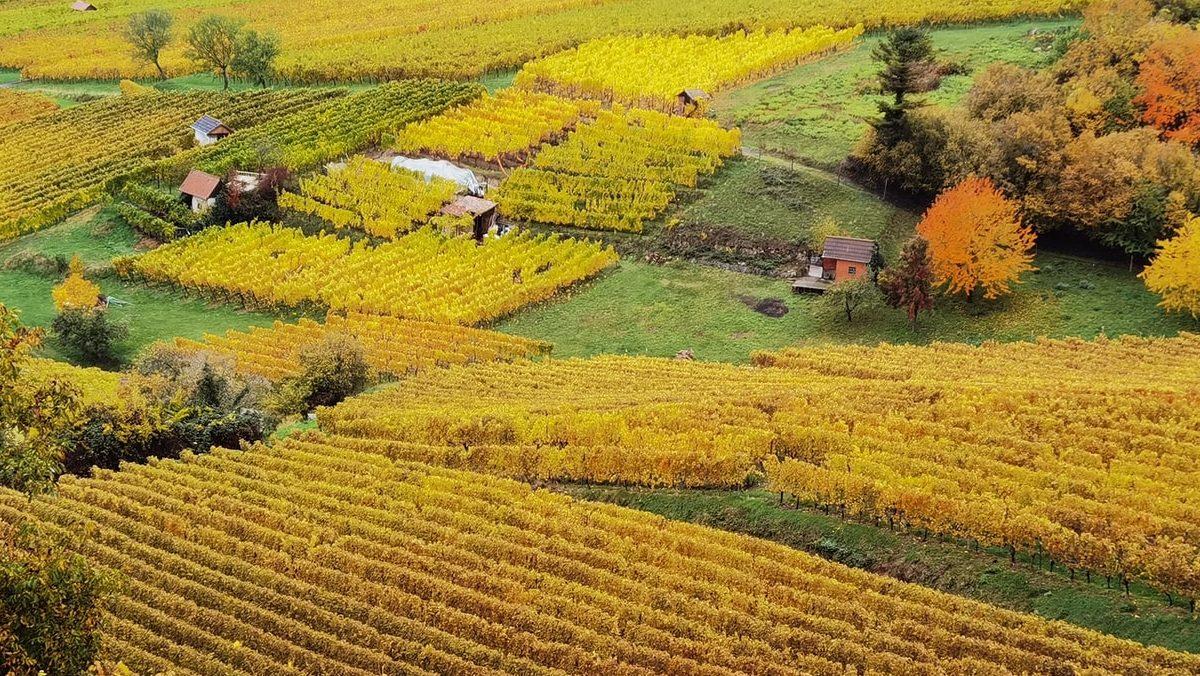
(200, 184)
(849, 249)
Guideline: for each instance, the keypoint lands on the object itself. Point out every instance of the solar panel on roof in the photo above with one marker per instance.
(206, 124)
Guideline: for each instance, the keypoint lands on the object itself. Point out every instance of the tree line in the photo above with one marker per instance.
(220, 44)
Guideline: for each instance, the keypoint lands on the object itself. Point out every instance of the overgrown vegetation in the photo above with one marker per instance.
(1079, 144)
(51, 604)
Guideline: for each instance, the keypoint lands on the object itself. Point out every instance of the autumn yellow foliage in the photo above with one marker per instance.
(1174, 273)
(320, 555)
(976, 239)
(75, 292)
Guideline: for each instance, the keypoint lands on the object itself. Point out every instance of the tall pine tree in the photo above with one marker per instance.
(905, 55)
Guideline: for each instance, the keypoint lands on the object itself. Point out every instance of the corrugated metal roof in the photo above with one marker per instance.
(694, 94)
(849, 249)
(200, 184)
(207, 124)
(81, 6)
(468, 204)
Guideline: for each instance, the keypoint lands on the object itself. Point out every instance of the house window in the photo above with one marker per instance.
(853, 270)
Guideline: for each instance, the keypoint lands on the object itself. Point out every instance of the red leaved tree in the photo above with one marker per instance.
(1170, 80)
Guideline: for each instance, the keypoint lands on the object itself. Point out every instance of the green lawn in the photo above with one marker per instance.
(953, 567)
(640, 308)
(818, 111)
(762, 198)
(151, 314)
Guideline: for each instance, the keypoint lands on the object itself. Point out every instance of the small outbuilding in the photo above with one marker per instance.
(199, 190)
(209, 130)
(81, 6)
(691, 102)
(846, 257)
(481, 211)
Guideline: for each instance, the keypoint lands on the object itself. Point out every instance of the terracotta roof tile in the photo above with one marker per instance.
(200, 184)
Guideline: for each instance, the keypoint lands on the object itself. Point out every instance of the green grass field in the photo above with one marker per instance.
(766, 198)
(151, 314)
(817, 112)
(640, 308)
(949, 566)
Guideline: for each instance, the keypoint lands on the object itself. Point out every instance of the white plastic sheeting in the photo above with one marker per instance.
(431, 169)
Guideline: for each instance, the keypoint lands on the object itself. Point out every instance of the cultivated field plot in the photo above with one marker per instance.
(370, 196)
(309, 138)
(649, 71)
(422, 275)
(322, 41)
(20, 106)
(1050, 445)
(617, 172)
(495, 129)
(55, 164)
(393, 347)
(320, 556)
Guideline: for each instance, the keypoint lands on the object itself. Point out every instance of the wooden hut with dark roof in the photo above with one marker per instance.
(846, 257)
(692, 101)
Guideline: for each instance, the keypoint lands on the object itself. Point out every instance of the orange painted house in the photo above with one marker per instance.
(846, 258)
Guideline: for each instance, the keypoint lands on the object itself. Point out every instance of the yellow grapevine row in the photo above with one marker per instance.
(422, 275)
(495, 129)
(57, 163)
(651, 70)
(322, 555)
(21, 106)
(306, 139)
(393, 347)
(371, 196)
(616, 172)
(323, 42)
(1049, 452)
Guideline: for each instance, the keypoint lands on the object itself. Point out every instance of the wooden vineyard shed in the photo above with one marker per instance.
(692, 102)
(846, 257)
(199, 190)
(481, 211)
(209, 130)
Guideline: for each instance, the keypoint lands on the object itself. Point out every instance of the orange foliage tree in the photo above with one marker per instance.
(976, 239)
(1170, 80)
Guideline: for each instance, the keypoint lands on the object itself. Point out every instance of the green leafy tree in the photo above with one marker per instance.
(333, 369)
(254, 58)
(34, 418)
(90, 334)
(149, 33)
(850, 296)
(51, 605)
(908, 285)
(906, 54)
(213, 43)
(877, 264)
